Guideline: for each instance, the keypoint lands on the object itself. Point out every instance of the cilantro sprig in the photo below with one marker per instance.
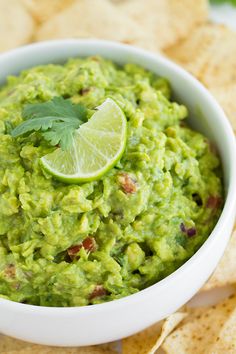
(56, 120)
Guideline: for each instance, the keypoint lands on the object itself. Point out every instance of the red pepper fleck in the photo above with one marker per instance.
(98, 291)
(213, 202)
(89, 244)
(128, 184)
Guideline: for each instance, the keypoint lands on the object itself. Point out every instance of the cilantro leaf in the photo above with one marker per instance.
(57, 107)
(56, 120)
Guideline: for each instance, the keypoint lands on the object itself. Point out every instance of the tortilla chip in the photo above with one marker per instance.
(149, 340)
(16, 24)
(166, 21)
(11, 345)
(42, 10)
(225, 273)
(187, 15)
(209, 54)
(151, 15)
(226, 97)
(202, 332)
(226, 340)
(83, 19)
(57, 350)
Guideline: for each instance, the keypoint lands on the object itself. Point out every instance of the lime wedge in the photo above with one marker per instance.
(97, 146)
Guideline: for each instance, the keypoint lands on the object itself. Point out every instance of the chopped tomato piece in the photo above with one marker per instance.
(98, 291)
(72, 251)
(213, 202)
(89, 244)
(128, 184)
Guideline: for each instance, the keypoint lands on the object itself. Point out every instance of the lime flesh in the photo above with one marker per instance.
(97, 146)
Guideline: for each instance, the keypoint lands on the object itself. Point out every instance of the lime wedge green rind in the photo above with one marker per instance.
(97, 146)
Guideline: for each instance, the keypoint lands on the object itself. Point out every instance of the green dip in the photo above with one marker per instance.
(74, 245)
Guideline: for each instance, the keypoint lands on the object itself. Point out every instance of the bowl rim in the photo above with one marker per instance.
(230, 201)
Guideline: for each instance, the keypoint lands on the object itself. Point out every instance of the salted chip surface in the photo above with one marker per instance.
(204, 331)
(186, 15)
(27, 348)
(225, 273)
(226, 340)
(56, 350)
(151, 15)
(209, 54)
(149, 340)
(93, 18)
(42, 10)
(12, 344)
(166, 21)
(16, 24)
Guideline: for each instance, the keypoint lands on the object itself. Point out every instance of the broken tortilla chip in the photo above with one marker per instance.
(225, 273)
(16, 24)
(42, 10)
(56, 350)
(149, 340)
(226, 340)
(14, 346)
(204, 331)
(185, 15)
(83, 19)
(166, 21)
(209, 54)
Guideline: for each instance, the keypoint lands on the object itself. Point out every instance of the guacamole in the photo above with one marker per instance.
(80, 244)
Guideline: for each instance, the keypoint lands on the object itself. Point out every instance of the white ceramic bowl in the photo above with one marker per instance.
(120, 318)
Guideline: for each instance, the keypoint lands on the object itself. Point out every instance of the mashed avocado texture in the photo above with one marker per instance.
(74, 245)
